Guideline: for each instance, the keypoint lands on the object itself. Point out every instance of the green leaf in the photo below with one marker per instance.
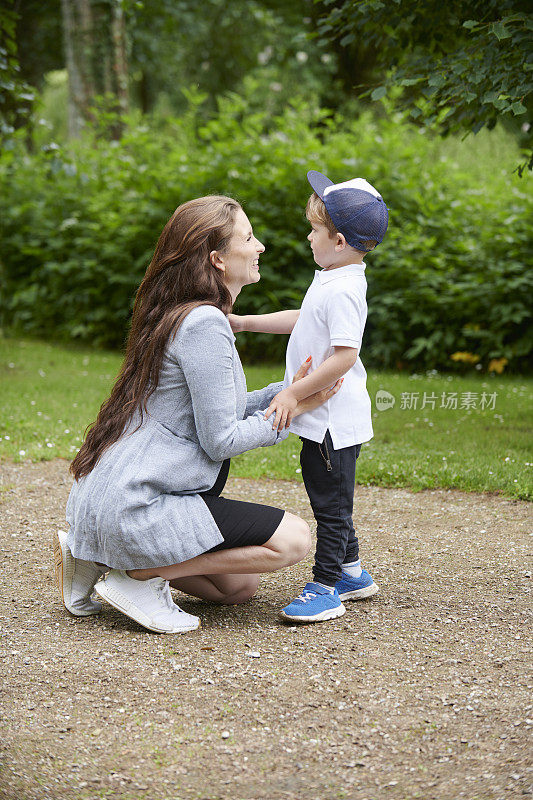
(378, 93)
(470, 24)
(518, 108)
(437, 80)
(500, 31)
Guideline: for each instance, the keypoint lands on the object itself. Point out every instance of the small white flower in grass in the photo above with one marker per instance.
(22, 452)
(7, 437)
(67, 430)
(491, 473)
(42, 373)
(50, 444)
(32, 402)
(298, 470)
(11, 365)
(506, 458)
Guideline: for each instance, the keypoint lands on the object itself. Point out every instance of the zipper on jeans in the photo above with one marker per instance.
(326, 457)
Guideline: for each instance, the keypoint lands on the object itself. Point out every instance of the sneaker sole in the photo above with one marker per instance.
(64, 565)
(360, 594)
(121, 603)
(330, 613)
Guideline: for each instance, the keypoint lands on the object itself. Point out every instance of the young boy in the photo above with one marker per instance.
(347, 220)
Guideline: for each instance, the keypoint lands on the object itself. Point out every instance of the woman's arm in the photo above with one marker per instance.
(205, 351)
(261, 398)
(278, 322)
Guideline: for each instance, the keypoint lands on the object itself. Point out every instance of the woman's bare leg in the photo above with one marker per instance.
(227, 589)
(289, 544)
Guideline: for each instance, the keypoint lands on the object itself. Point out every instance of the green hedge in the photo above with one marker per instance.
(79, 224)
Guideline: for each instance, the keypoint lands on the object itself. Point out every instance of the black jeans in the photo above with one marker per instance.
(329, 478)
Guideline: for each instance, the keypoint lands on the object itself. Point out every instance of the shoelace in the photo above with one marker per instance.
(305, 596)
(163, 590)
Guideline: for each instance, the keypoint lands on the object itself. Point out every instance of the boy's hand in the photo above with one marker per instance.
(283, 406)
(236, 322)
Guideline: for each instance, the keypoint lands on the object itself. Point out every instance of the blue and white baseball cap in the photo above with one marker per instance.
(356, 208)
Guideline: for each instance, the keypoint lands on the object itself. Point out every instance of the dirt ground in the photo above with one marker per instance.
(421, 692)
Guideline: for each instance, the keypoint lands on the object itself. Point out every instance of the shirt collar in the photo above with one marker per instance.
(326, 275)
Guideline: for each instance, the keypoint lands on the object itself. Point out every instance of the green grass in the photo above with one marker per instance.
(50, 393)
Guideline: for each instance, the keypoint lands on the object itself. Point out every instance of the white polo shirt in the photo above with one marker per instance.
(333, 314)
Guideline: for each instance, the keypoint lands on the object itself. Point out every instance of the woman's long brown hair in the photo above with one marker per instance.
(179, 278)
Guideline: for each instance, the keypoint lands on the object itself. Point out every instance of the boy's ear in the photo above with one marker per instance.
(340, 243)
(216, 261)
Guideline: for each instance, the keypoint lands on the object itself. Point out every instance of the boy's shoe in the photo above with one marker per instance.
(75, 579)
(356, 588)
(149, 602)
(315, 604)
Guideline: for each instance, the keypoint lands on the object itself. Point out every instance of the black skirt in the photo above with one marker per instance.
(241, 524)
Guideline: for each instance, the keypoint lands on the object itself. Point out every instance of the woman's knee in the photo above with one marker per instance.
(244, 592)
(296, 540)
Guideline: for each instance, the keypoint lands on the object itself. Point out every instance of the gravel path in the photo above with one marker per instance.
(420, 692)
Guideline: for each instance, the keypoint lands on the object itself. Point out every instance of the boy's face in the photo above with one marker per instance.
(322, 245)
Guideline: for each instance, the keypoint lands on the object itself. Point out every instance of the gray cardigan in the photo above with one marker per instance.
(139, 507)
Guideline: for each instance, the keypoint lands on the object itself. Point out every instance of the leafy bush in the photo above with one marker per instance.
(79, 224)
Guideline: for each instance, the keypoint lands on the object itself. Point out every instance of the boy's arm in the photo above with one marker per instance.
(333, 368)
(278, 322)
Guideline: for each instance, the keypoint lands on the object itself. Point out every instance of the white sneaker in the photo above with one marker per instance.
(147, 602)
(75, 579)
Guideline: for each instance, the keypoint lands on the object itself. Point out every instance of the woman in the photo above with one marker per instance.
(149, 474)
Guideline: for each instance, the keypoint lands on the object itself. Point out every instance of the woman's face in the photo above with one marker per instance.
(240, 262)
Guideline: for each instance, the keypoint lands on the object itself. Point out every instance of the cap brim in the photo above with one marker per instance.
(318, 182)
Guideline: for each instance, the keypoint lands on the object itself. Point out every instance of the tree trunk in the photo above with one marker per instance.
(95, 50)
(120, 56)
(75, 83)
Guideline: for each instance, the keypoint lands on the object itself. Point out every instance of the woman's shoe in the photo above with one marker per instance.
(75, 579)
(147, 602)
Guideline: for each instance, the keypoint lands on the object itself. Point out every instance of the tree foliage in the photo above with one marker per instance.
(78, 224)
(461, 64)
(175, 44)
(15, 95)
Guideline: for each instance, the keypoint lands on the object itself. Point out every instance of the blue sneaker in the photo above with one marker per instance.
(350, 588)
(315, 604)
